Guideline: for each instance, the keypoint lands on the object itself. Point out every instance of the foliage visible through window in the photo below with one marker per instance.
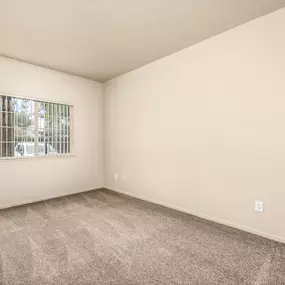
(34, 128)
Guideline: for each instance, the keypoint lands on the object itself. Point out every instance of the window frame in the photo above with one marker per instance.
(36, 129)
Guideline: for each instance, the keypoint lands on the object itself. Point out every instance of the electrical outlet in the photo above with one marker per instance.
(259, 206)
(116, 176)
(125, 178)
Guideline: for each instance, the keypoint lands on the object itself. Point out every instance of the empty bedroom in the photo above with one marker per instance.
(142, 142)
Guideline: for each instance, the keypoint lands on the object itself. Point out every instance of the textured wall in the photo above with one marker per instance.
(40, 178)
(203, 129)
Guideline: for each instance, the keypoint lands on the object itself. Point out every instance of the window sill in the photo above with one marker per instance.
(19, 158)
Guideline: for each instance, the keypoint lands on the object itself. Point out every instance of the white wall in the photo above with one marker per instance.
(204, 128)
(39, 178)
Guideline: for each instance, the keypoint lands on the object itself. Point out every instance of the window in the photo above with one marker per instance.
(34, 128)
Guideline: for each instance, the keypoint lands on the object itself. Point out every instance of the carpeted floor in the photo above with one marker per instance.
(100, 237)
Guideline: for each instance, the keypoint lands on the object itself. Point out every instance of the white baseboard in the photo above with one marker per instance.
(213, 219)
(45, 198)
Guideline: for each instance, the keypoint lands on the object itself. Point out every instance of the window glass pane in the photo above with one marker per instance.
(21, 128)
(30, 149)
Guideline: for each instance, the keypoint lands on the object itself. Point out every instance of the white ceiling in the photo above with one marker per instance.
(101, 39)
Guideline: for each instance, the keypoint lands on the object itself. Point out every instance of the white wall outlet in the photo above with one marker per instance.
(259, 206)
(116, 176)
(125, 178)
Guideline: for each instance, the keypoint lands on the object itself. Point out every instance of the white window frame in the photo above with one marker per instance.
(36, 102)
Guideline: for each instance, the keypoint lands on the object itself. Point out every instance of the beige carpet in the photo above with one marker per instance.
(100, 237)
